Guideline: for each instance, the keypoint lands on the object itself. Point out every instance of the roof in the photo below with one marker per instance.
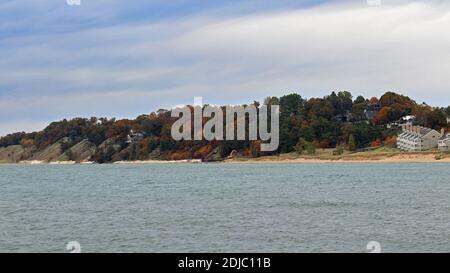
(370, 114)
(409, 117)
(422, 130)
(425, 131)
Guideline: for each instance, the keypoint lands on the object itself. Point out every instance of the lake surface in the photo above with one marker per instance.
(225, 207)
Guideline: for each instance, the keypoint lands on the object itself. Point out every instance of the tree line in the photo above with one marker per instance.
(337, 121)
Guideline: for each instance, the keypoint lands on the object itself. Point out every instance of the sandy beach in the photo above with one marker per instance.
(375, 156)
(322, 156)
(159, 161)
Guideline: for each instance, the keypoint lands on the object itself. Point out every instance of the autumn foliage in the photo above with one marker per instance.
(334, 121)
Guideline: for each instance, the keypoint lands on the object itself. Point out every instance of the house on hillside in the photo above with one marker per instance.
(406, 120)
(417, 138)
(370, 114)
(372, 110)
(133, 137)
(444, 142)
(345, 117)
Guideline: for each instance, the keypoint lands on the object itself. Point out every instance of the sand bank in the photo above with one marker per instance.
(394, 158)
(159, 161)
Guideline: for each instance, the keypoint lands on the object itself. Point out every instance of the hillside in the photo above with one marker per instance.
(337, 122)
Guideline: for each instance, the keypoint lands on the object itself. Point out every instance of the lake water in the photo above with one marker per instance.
(225, 208)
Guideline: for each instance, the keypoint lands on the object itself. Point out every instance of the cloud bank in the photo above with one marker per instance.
(98, 63)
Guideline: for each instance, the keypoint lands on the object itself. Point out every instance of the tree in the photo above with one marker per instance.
(447, 111)
(27, 142)
(69, 155)
(271, 101)
(374, 100)
(321, 108)
(303, 145)
(339, 150)
(363, 134)
(391, 98)
(255, 148)
(383, 117)
(360, 99)
(432, 118)
(376, 143)
(300, 146)
(359, 110)
(391, 141)
(310, 148)
(346, 100)
(351, 143)
(291, 104)
(12, 139)
(396, 106)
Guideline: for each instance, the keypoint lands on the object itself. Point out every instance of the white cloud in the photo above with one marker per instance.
(361, 48)
(135, 68)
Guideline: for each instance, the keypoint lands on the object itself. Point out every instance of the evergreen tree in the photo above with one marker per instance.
(351, 143)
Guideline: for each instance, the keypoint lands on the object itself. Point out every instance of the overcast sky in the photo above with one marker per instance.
(118, 58)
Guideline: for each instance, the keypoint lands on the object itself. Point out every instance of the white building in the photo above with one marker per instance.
(444, 142)
(133, 137)
(408, 120)
(416, 138)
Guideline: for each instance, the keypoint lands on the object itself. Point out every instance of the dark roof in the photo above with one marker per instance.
(370, 114)
(424, 131)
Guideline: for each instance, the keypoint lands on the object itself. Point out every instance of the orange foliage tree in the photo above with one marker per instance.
(390, 140)
(376, 143)
(382, 117)
(27, 142)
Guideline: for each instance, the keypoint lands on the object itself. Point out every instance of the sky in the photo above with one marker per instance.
(115, 58)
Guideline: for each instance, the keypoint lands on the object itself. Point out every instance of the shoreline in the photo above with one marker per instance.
(331, 161)
(188, 161)
(424, 157)
(390, 157)
(39, 162)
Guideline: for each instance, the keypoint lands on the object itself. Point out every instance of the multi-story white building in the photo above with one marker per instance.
(444, 142)
(416, 138)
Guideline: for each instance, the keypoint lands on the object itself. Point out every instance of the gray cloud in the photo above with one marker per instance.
(127, 69)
